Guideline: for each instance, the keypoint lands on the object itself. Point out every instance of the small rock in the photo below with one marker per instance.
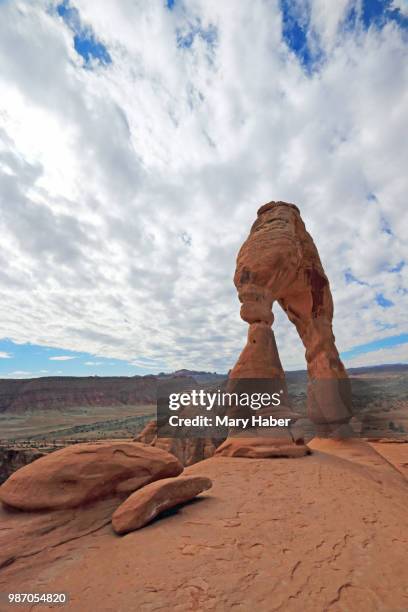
(144, 505)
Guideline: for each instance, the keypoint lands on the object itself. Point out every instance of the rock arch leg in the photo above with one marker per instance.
(329, 392)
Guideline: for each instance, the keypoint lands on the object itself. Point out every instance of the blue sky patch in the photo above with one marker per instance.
(32, 361)
(375, 345)
(91, 49)
(373, 12)
(85, 43)
(378, 12)
(383, 301)
(350, 278)
(303, 41)
(295, 34)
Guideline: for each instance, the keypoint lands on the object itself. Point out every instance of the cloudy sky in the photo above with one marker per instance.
(138, 139)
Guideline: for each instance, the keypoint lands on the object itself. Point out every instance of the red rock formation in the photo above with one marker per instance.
(82, 473)
(148, 435)
(14, 458)
(187, 450)
(279, 263)
(147, 503)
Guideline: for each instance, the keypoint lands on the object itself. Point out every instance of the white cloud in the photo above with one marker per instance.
(18, 374)
(402, 5)
(93, 363)
(105, 172)
(61, 358)
(4, 355)
(395, 354)
(326, 18)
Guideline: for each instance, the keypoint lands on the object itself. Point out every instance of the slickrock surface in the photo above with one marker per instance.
(395, 453)
(318, 533)
(359, 451)
(145, 504)
(82, 473)
(258, 447)
(32, 541)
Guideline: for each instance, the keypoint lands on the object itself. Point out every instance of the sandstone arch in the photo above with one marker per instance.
(279, 262)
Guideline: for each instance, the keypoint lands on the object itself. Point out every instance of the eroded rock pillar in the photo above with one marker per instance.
(259, 369)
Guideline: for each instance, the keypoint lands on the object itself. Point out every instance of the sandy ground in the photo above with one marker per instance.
(327, 532)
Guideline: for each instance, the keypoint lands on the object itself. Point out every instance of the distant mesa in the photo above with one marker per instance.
(58, 393)
(18, 396)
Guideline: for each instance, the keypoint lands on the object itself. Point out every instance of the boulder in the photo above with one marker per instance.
(144, 505)
(82, 473)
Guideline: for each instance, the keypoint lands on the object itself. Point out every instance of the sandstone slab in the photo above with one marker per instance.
(144, 505)
(261, 447)
(82, 473)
